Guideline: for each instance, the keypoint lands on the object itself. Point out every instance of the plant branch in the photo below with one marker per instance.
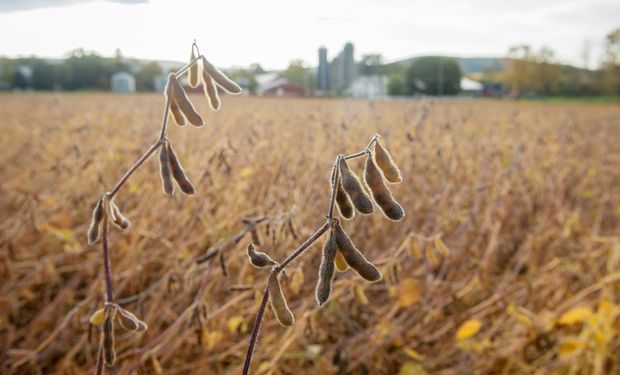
(134, 167)
(255, 330)
(107, 197)
(364, 151)
(319, 232)
(184, 69)
(335, 176)
(100, 360)
(106, 260)
(332, 198)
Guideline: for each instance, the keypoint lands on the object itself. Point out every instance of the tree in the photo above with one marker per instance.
(611, 64)
(396, 85)
(19, 81)
(546, 72)
(532, 72)
(145, 78)
(256, 68)
(371, 63)
(519, 72)
(43, 75)
(298, 73)
(434, 76)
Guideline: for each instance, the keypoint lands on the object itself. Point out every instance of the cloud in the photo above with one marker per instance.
(8, 6)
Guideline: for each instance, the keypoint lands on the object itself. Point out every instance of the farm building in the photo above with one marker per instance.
(122, 82)
(471, 87)
(281, 87)
(369, 87)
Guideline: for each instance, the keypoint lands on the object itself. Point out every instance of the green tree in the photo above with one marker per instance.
(43, 75)
(434, 76)
(18, 81)
(396, 85)
(371, 64)
(145, 78)
(298, 73)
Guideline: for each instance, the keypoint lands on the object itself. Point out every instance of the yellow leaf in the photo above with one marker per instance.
(441, 247)
(411, 368)
(575, 315)
(468, 329)
(361, 296)
(570, 346)
(413, 354)
(211, 339)
(431, 257)
(63, 234)
(519, 315)
(246, 172)
(414, 250)
(156, 365)
(234, 323)
(384, 328)
(408, 292)
(97, 318)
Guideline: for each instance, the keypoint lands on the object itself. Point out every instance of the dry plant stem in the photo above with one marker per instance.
(335, 180)
(117, 187)
(100, 360)
(300, 250)
(254, 337)
(106, 261)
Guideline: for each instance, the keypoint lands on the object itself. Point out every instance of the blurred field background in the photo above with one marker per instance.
(508, 260)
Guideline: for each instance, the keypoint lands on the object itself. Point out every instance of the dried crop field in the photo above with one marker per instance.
(508, 259)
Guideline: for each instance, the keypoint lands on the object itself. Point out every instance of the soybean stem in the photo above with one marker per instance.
(364, 151)
(319, 232)
(134, 167)
(106, 260)
(254, 337)
(332, 197)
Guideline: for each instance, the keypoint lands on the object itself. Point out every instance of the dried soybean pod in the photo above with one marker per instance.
(164, 171)
(353, 187)
(259, 259)
(177, 114)
(192, 74)
(341, 264)
(344, 202)
(95, 222)
(354, 257)
(381, 193)
(224, 82)
(211, 91)
(181, 100)
(178, 173)
(109, 355)
(326, 270)
(117, 217)
(387, 165)
(130, 322)
(278, 302)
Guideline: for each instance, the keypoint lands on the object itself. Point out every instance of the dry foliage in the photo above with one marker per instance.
(507, 260)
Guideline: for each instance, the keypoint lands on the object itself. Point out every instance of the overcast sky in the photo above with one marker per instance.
(272, 32)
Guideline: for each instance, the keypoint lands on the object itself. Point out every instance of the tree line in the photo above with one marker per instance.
(81, 70)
